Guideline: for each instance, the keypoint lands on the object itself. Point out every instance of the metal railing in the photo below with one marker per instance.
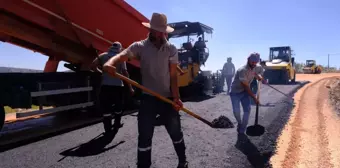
(42, 93)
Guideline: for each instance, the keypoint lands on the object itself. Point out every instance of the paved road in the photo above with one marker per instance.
(206, 147)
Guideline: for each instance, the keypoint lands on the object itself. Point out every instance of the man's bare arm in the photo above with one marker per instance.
(126, 73)
(245, 84)
(224, 66)
(96, 63)
(259, 73)
(247, 88)
(258, 77)
(123, 56)
(173, 81)
(119, 58)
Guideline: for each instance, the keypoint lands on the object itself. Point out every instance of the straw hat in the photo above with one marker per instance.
(159, 23)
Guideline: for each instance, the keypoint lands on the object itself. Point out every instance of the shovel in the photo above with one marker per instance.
(279, 91)
(212, 125)
(256, 129)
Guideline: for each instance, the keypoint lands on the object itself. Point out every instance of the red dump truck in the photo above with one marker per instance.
(74, 31)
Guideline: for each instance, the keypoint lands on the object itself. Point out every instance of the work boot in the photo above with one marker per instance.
(180, 151)
(107, 124)
(183, 165)
(117, 123)
(143, 159)
(240, 129)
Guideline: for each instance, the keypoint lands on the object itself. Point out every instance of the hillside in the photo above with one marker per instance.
(14, 70)
(21, 70)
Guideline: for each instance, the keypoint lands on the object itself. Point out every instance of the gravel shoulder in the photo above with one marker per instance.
(206, 147)
(311, 136)
(334, 95)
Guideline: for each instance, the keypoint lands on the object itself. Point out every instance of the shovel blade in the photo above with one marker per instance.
(255, 130)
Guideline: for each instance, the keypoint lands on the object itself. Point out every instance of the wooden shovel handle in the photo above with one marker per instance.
(257, 105)
(258, 89)
(134, 83)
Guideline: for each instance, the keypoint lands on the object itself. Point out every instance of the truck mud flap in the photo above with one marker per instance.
(2, 117)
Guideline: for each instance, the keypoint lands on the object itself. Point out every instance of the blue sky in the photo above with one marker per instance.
(310, 27)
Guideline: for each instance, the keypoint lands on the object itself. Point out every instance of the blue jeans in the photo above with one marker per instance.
(244, 99)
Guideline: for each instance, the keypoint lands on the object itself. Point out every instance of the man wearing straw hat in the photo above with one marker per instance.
(241, 93)
(158, 62)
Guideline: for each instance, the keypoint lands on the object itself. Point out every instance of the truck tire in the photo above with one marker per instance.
(2, 117)
(285, 77)
(319, 71)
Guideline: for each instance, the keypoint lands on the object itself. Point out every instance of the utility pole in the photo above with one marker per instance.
(328, 58)
(328, 62)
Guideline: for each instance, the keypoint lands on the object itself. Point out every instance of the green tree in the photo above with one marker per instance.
(298, 67)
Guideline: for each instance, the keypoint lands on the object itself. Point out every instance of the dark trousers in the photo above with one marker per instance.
(109, 96)
(149, 108)
(228, 79)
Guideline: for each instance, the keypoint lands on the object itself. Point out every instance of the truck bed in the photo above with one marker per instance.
(75, 36)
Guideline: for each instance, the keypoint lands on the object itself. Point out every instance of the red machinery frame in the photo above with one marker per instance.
(74, 31)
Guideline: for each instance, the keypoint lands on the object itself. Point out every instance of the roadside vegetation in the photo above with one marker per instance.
(10, 110)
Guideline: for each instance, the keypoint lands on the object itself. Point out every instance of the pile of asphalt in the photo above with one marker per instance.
(222, 122)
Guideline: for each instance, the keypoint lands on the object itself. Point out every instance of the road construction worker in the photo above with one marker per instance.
(158, 62)
(228, 72)
(112, 90)
(241, 92)
(200, 44)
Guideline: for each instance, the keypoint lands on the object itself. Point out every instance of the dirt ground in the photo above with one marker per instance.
(311, 136)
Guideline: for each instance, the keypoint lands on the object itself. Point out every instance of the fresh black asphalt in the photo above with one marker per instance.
(206, 147)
